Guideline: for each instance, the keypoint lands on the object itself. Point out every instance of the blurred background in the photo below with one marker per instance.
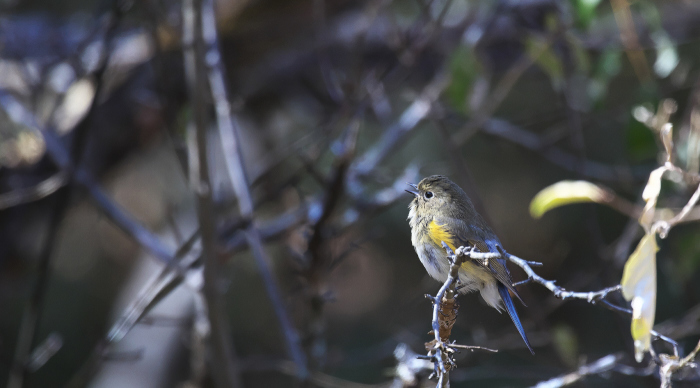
(335, 105)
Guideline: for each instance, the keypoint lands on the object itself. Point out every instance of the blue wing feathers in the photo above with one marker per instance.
(508, 302)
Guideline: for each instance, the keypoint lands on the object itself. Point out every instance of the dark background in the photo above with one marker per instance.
(533, 92)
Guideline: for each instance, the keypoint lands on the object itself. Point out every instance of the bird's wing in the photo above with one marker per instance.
(455, 233)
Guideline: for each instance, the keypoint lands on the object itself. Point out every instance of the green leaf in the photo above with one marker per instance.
(566, 344)
(609, 63)
(639, 286)
(565, 193)
(585, 11)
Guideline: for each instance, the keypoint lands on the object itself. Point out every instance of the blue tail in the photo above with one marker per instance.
(508, 302)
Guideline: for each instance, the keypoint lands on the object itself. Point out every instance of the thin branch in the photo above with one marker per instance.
(31, 317)
(60, 156)
(30, 194)
(318, 265)
(590, 297)
(228, 128)
(670, 365)
(396, 133)
(508, 131)
(224, 367)
(29, 326)
(154, 290)
(599, 366)
(560, 292)
(664, 226)
(445, 312)
(43, 353)
(499, 93)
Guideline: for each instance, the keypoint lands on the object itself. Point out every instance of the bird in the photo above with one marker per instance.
(442, 212)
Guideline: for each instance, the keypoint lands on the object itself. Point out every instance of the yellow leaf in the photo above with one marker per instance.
(639, 286)
(564, 193)
(653, 187)
(650, 195)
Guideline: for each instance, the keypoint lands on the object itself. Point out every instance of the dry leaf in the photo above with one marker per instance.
(650, 195)
(639, 286)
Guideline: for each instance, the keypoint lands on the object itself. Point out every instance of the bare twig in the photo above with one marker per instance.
(43, 353)
(155, 290)
(224, 368)
(60, 156)
(589, 168)
(32, 314)
(228, 128)
(560, 292)
(411, 368)
(590, 297)
(499, 93)
(664, 226)
(671, 364)
(628, 33)
(445, 313)
(41, 190)
(599, 366)
(318, 265)
(396, 133)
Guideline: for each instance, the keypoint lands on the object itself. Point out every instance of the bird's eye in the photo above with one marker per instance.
(428, 194)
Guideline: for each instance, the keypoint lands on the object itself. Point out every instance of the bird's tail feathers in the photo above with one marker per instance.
(508, 302)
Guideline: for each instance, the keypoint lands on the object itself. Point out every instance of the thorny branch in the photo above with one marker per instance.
(590, 297)
(671, 364)
(440, 350)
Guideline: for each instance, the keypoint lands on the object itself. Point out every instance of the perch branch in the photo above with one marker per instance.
(672, 364)
(440, 350)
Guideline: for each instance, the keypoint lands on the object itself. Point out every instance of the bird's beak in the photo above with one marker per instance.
(415, 193)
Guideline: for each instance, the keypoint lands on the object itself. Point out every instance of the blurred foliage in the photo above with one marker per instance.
(536, 92)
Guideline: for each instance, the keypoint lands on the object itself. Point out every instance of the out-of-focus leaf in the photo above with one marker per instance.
(464, 68)
(76, 103)
(666, 54)
(566, 344)
(650, 195)
(548, 61)
(609, 63)
(564, 193)
(639, 286)
(606, 68)
(585, 11)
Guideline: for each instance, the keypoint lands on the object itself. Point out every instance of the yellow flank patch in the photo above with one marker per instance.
(438, 233)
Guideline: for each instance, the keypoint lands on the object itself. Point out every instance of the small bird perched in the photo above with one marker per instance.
(442, 211)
